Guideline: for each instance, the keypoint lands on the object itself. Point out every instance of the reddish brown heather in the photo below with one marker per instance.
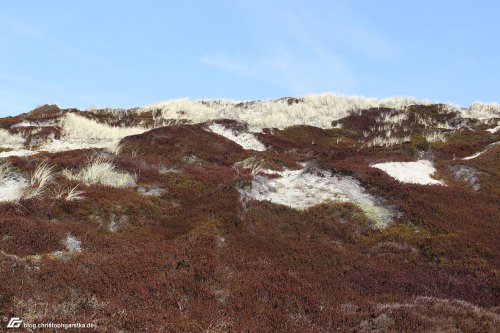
(185, 142)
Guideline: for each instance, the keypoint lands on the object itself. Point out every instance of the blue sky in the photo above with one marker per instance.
(131, 53)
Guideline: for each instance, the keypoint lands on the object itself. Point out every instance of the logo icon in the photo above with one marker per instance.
(14, 322)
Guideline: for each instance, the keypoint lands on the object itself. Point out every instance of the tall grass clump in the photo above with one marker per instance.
(252, 163)
(8, 140)
(482, 111)
(435, 136)
(101, 171)
(69, 194)
(387, 141)
(78, 128)
(6, 171)
(39, 180)
(396, 119)
(316, 110)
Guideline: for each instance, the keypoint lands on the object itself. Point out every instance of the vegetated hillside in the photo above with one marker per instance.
(315, 214)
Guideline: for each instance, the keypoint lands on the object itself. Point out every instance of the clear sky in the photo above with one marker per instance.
(128, 53)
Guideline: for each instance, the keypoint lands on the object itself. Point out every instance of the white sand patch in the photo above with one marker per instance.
(494, 129)
(27, 123)
(418, 172)
(304, 188)
(72, 244)
(65, 145)
(482, 151)
(149, 190)
(22, 152)
(12, 189)
(12, 184)
(474, 155)
(244, 139)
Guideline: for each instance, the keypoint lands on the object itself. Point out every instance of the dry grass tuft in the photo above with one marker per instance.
(6, 171)
(9, 140)
(69, 193)
(436, 136)
(101, 171)
(387, 141)
(251, 163)
(39, 180)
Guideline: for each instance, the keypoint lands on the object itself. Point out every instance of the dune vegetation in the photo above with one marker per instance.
(319, 213)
